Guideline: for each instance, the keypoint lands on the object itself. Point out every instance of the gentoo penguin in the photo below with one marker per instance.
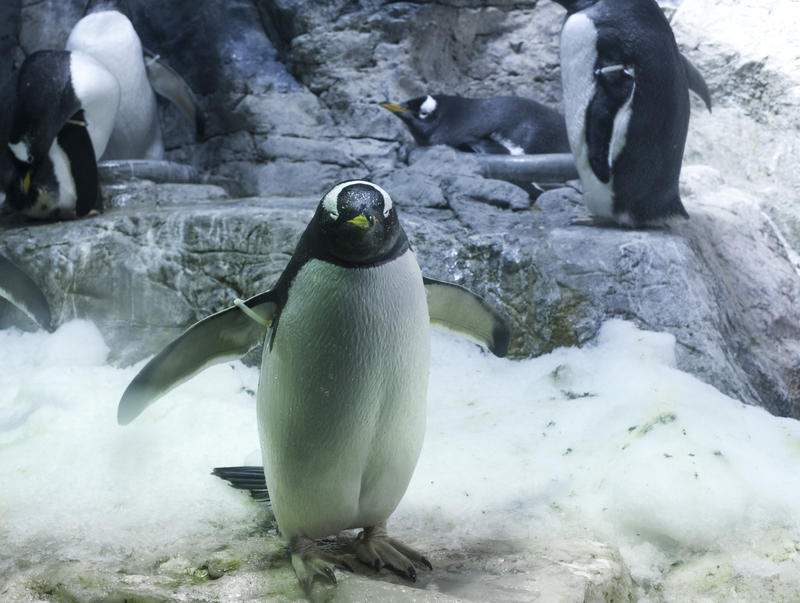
(18, 288)
(500, 125)
(627, 108)
(66, 104)
(342, 394)
(75, 107)
(109, 37)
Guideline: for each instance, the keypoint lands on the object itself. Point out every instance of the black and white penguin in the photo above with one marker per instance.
(342, 394)
(626, 98)
(90, 102)
(109, 37)
(66, 104)
(18, 288)
(501, 125)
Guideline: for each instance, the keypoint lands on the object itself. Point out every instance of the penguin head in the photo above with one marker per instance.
(32, 189)
(421, 115)
(356, 223)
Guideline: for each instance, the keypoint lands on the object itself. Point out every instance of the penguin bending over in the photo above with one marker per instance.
(626, 103)
(342, 391)
(500, 125)
(92, 101)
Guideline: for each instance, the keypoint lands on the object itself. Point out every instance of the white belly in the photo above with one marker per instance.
(109, 37)
(341, 400)
(578, 58)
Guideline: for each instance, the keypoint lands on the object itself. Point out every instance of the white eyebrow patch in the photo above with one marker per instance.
(21, 151)
(429, 106)
(331, 200)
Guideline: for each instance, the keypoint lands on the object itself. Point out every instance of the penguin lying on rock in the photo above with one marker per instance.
(626, 96)
(502, 124)
(73, 107)
(342, 392)
(18, 288)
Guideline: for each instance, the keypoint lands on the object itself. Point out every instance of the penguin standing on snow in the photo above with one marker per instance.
(626, 104)
(89, 102)
(500, 125)
(342, 393)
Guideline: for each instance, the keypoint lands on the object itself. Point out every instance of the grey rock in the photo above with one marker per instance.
(175, 253)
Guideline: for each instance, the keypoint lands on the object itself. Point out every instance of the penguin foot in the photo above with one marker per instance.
(308, 562)
(374, 547)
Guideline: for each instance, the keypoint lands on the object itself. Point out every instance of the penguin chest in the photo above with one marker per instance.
(341, 402)
(109, 38)
(578, 62)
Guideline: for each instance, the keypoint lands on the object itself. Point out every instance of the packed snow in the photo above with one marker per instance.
(608, 442)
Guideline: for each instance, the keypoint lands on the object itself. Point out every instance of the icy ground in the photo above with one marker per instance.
(608, 443)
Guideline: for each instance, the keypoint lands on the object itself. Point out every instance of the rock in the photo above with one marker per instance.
(176, 253)
(747, 52)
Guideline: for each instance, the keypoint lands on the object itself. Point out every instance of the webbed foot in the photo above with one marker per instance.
(374, 547)
(308, 562)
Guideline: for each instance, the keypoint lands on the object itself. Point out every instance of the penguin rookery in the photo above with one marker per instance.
(342, 392)
(627, 107)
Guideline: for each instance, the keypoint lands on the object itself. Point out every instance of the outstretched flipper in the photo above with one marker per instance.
(460, 310)
(166, 82)
(697, 83)
(249, 477)
(222, 336)
(18, 288)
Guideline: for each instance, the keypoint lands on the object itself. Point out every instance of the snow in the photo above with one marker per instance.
(609, 442)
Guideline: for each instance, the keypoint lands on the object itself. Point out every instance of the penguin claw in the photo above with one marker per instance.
(374, 547)
(308, 562)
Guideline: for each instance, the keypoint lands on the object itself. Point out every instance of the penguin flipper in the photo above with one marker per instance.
(74, 139)
(614, 87)
(18, 288)
(167, 83)
(460, 310)
(697, 83)
(250, 477)
(225, 335)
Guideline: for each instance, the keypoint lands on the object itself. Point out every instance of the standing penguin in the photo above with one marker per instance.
(627, 108)
(509, 125)
(109, 37)
(342, 393)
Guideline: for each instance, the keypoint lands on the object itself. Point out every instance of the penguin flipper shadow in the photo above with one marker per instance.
(18, 288)
(460, 310)
(167, 83)
(223, 336)
(697, 83)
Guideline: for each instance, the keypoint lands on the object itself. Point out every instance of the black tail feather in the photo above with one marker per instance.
(245, 478)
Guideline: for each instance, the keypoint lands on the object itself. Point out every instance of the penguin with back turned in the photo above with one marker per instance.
(626, 101)
(499, 125)
(342, 392)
